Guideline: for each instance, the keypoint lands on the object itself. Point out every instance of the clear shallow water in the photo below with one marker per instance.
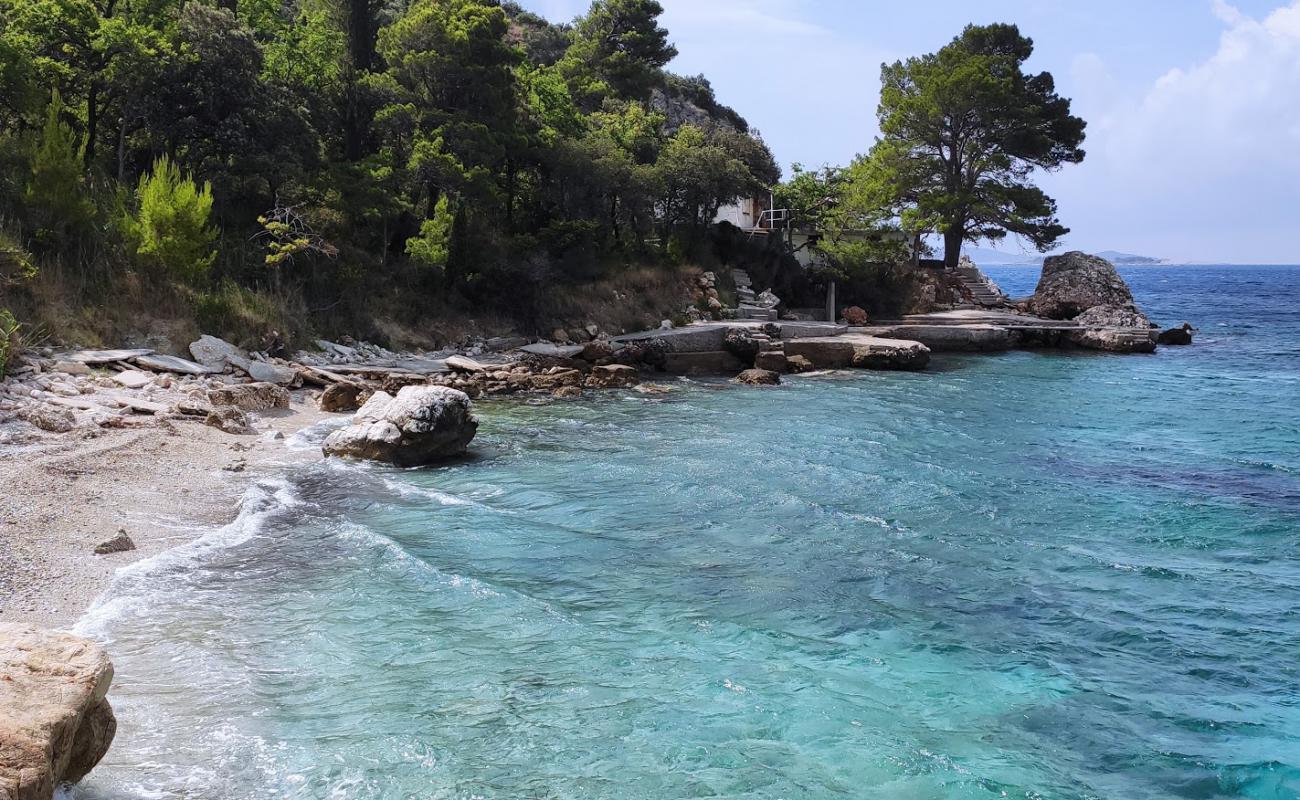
(1031, 576)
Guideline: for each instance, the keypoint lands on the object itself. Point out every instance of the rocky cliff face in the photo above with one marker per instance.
(55, 720)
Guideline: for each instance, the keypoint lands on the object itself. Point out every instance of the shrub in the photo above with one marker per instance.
(10, 341)
(170, 231)
(430, 249)
(239, 314)
(57, 199)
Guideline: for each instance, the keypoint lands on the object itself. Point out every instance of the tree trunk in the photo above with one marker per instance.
(92, 122)
(952, 239)
(121, 150)
(361, 35)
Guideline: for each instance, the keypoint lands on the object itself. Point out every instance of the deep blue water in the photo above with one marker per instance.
(1032, 575)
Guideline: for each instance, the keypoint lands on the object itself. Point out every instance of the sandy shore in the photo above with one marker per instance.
(62, 494)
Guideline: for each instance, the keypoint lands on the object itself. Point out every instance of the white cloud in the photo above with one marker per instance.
(1207, 154)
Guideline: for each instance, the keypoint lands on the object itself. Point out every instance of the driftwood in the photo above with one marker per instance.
(323, 377)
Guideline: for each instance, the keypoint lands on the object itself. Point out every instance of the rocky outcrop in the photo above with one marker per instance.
(55, 720)
(1088, 291)
(419, 426)
(1115, 329)
(1075, 282)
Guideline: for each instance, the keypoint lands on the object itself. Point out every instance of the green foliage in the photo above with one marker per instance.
(619, 48)
(170, 232)
(430, 249)
(238, 312)
(963, 130)
(58, 204)
(11, 344)
(467, 139)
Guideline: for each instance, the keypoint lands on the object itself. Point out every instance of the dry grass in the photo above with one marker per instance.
(637, 298)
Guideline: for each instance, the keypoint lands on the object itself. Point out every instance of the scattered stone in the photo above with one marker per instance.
(71, 367)
(567, 393)
(597, 350)
(503, 344)
(57, 723)
(560, 335)
(773, 360)
(272, 436)
(466, 365)
(767, 300)
(121, 543)
(856, 316)
(423, 424)
(237, 466)
(799, 364)
(759, 377)
(229, 419)
(250, 396)
(1177, 337)
(217, 354)
(343, 398)
(613, 376)
(271, 373)
(193, 407)
(163, 363)
(48, 418)
(655, 388)
(133, 379)
(104, 356)
(547, 350)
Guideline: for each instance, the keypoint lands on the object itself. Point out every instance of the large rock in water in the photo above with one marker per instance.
(1115, 329)
(423, 424)
(55, 720)
(1075, 282)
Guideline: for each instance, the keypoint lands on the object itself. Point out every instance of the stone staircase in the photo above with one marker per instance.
(984, 292)
(747, 299)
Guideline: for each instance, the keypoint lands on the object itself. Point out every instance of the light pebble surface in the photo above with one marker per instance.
(62, 494)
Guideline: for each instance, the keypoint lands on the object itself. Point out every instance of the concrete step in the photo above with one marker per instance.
(754, 312)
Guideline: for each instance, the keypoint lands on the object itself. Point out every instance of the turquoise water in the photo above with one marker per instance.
(1035, 575)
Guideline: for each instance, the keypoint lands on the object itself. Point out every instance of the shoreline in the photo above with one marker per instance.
(165, 486)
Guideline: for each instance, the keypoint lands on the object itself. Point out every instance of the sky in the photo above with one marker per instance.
(1193, 106)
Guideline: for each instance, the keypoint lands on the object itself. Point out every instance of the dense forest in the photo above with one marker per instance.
(321, 163)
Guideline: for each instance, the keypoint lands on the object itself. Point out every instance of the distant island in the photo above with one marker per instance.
(988, 256)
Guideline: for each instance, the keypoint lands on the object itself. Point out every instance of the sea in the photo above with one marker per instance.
(1026, 575)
